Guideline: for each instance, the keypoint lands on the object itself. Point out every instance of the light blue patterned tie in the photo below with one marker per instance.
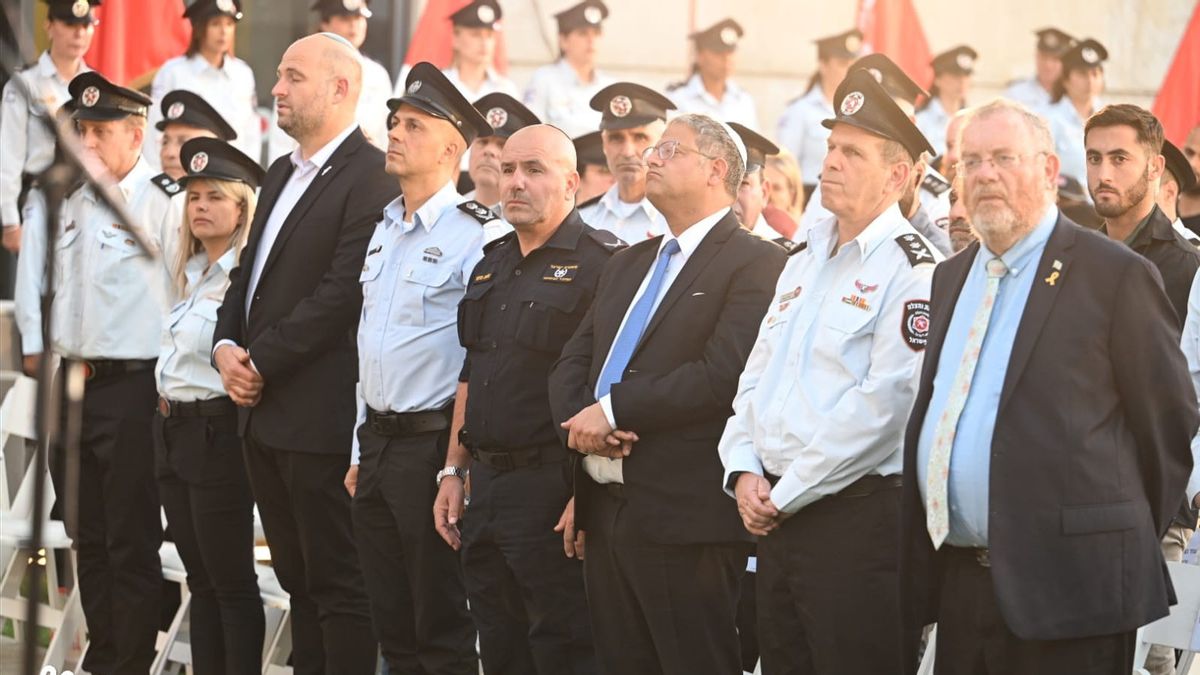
(635, 325)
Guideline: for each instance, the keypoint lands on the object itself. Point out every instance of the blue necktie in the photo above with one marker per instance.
(635, 324)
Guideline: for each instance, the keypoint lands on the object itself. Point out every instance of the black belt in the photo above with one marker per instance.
(860, 488)
(95, 369)
(409, 424)
(213, 407)
(507, 460)
(979, 556)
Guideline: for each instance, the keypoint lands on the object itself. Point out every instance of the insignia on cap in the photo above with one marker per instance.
(620, 106)
(486, 14)
(964, 61)
(175, 110)
(352, 5)
(877, 74)
(226, 6)
(852, 103)
(89, 97)
(497, 117)
(729, 36)
(80, 8)
(1089, 55)
(853, 43)
(199, 162)
(414, 87)
(592, 14)
(1050, 40)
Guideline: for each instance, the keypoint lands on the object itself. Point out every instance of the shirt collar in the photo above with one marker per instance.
(568, 233)
(612, 201)
(47, 69)
(690, 240)
(1018, 257)
(321, 156)
(139, 174)
(762, 229)
(825, 234)
(696, 84)
(200, 64)
(427, 215)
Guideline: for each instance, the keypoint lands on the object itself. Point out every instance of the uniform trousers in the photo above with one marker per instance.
(659, 609)
(418, 602)
(828, 588)
(118, 529)
(210, 512)
(527, 596)
(973, 638)
(305, 512)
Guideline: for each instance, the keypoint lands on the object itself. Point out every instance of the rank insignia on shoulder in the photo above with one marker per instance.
(480, 278)
(915, 324)
(375, 250)
(477, 211)
(563, 274)
(916, 250)
(934, 184)
(164, 183)
(800, 246)
(606, 239)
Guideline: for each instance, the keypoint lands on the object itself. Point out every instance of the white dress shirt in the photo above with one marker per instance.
(630, 222)
(801, 133)
(557, 96)
(31, 273)
(184, 370)
(736, 105)
(829, 383)
(230, 90)
(604, 469)
(1030, 93)
(414, 275)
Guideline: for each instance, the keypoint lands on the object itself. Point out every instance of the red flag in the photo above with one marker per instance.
(892, 28)
(135, 37)
(432, 37)
(1177, 105)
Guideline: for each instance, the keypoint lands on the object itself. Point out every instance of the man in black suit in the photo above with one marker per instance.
(643, 390)
(1048, 446)
(284, 344)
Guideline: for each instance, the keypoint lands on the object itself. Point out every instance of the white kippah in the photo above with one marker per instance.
(737, 141)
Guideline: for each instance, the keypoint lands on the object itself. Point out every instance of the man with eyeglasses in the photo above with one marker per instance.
(812, 451)
(1047, 448)
(632, 119)
(642, 391)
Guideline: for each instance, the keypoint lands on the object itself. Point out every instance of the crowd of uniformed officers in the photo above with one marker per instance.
(533, 433)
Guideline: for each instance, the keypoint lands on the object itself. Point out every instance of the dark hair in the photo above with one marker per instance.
(934, 92)
(1059, 89)
(1149, 129)
(199, 28)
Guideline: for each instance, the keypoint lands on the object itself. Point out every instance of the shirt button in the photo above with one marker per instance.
(517, 272)
(486, 382)
(493, 344)
(503, 307)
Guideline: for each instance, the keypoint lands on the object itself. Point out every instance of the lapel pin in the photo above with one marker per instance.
(326, 169)
(1050, 280)
(1057, 264)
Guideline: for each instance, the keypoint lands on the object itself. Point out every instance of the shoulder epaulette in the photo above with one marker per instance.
(477, 211)
(166, 184)
(608, 240)
(784, 242)
(499, 241)
(590, 202)
(676, 85)
(934, 184)
(914, 247)
(798, 248)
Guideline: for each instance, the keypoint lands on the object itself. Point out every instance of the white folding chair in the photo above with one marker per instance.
(930, 648)
(277, 645)
(1178, 629)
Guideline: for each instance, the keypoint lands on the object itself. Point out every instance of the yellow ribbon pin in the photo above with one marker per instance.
(1052, 278)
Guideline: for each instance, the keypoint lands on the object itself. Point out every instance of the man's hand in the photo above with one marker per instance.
(351, 479)
(31, 364)
(448, 508)
(573, 539)
(759, 515)
(241, 380)
(618, 444)
(589, 430)
(12, 238)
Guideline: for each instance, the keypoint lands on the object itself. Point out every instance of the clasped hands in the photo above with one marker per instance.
(590, 433)
(241, 380)
(759, 514)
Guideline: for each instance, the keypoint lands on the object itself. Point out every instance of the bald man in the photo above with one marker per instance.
(284, 351)
(524, 301)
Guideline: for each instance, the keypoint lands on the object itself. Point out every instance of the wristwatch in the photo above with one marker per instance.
(455, 471)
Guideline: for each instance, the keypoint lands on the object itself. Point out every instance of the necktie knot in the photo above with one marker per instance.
(996, 268)
(670, 248)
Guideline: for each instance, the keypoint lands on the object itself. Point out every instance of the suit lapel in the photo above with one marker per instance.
(1054, 264)
(320, 181)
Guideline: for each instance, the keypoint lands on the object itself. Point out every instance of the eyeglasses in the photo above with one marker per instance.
(1004, 161)
(667, 149)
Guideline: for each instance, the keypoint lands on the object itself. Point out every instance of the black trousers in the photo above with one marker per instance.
(206, 495)
(828, 588)
(973, 638)
(118, 529)
(660, 609)
(527, 596)
(305, 512)
(418, 601)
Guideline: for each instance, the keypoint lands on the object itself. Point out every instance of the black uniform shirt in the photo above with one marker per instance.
(516, 315)
(1175, 258)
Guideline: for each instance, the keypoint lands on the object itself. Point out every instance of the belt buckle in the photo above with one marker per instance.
(983, 557)
(164, 407)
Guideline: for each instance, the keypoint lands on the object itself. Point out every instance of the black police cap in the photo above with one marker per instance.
(758, 147)
(478, 14)
(505, 114)
(862, 102)
(1084, 54)
(624, 105)
(1178, 165)
(893, 78)
(1053, 41)
(589, 150)
(202, 10)
(72, 11)
(427, 89)
(957, 61)
(845, 45)
(330, 8)
(216, 159)
(98, 99)
(584, 15)
(184, 107)
(723, 36)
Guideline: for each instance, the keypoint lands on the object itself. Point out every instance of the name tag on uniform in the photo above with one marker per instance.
(480, 278)
(432, 254)
(561, 273)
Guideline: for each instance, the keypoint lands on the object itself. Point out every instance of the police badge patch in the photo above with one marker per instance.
(915, 324)
(563, 274)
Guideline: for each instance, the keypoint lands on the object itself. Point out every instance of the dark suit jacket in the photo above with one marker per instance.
(301, 329)
(1090, 452)
(678, 389)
